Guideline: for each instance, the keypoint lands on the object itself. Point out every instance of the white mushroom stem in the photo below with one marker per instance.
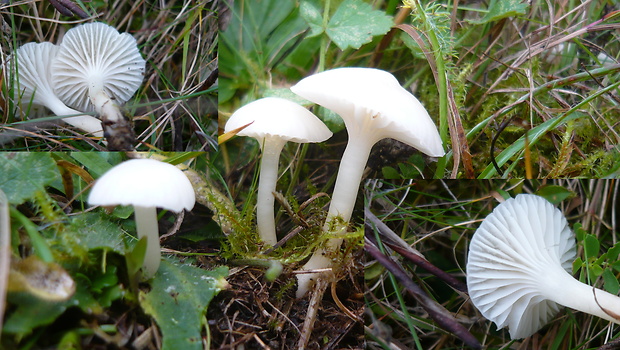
(343, 200)
(271, 149)
(104, 105)
(565, 290)
(86, 123)
(146, 226)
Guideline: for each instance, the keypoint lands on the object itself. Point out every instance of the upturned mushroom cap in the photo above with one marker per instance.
(514, 258)
(33, 84)
(374, 100)
(33, 66)
(96, 56)
(144, 183)
(274, 116)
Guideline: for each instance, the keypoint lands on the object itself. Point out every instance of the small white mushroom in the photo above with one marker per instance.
(97, 68)
(33, 85)
(146, 184)
(373, 106)
(517, 268)
(273, 121)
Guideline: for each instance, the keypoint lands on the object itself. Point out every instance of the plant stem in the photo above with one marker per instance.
(324, 38)
(442, 86)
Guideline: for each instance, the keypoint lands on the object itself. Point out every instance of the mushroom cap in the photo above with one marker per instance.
(516, 249)
(144, 183)
(278, 117)
(33, 68)
(95, 55)
(367, 95)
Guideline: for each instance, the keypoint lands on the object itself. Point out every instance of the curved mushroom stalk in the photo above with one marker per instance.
(517, 268)
(33, 82)
(373, 106)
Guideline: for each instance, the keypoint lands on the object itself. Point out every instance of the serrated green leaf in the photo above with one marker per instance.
(311, 12)
(355, 23)
(23, 174)
(178, 301)
(613, 252)
(94, 231)
(611, 283)
(499, 9)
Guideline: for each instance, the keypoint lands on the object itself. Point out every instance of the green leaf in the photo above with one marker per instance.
(30, 313)
(97, 162)
(135, 257)
(311, 12)
(591, 246)
(554, 194)
(577, 265)
(94, 231)
(411, 169)
(355, 23)
(179, 299)
(580, 233)
(390, 173)
(23, 174)
(259, 34)
(596, 270)
(499, 9)
(612, 253)
(611, 283)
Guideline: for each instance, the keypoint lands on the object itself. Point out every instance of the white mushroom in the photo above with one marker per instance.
(517, 269)
(97, 68)
(146, 184)
(272, 122)
(32, 85)
(373, 106)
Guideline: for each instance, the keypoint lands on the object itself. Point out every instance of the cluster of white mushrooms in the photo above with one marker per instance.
(94, 68)
(518, 268)
(373, 106)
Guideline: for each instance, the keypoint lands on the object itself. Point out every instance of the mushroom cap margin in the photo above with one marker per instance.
(363, 95)
(278, 117)
(145, 183)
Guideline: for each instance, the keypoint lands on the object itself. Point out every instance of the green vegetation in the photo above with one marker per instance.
(72, 281)
(514, 90)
